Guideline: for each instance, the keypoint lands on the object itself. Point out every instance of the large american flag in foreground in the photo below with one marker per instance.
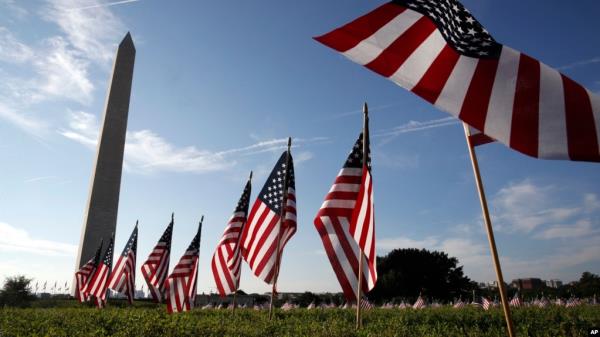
(180, 287)
(122, 278)
(259, 237)
(83, 275)
(98, 285)
(156, 267)
(227, 261)
(333, 224)
(437, 50)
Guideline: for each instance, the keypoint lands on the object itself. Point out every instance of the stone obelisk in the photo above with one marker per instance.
(100, 219)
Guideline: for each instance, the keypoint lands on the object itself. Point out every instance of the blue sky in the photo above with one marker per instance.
(219, 86)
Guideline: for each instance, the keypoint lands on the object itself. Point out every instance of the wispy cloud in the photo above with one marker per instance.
(524, 207)
(36, 179)
(580, 63)
(388, 135)
(13, 239)
(146, 151)
(107, 4)
(17, 11)
(11, 49)
(94, 34)
(580, 229)
(58, 66)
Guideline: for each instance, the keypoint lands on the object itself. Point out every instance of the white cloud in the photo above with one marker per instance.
(92, 33)
(23, 121)
(13, 239)
(580, 63)
(149, 152)
(63, 73)
(524, 207)
(16, 10)
(581, 228)
(388, 135)
(59, 66)
(13, 50)
(591, 202)
(146, 151)
(302, 157)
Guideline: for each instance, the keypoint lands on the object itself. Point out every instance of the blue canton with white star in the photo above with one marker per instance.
(458, 27)
(272, 193)
(355, 158)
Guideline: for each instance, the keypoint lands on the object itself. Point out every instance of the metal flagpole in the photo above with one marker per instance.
(360, 262)
(281, 220)
(490, 233)
(237, 285)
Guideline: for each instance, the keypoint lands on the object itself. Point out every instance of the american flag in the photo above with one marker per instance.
(419, 303)
(156, 267)
(98, 285)
(542, 302)
(459, 304)
(261, 233)
(516, 301)
(572, 302)
(437, 50)
(485, 303)
(82, 276)
(333, 224)
(122, 278)
(365, 304)
(227, 261)
(180, 287)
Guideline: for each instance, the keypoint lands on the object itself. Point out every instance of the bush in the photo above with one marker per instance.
(145, 321)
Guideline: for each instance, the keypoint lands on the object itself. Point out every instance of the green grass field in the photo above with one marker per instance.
(143, 321)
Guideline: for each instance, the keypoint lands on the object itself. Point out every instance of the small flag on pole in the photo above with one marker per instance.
(227, 261)
(259, 237)
(98, 285)
(156, 267)
(333, 224)
(83, 275)
(122, 278)
(180, 286)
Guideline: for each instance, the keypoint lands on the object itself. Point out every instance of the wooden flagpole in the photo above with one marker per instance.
(360, 262)
(490, 233)
(237, 285)
(281, 220)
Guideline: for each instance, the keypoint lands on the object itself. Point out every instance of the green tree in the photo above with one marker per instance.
(16, 292)
(404, 273)
(588, 285)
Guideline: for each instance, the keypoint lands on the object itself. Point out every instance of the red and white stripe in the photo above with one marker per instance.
(226, 261)
(333, 224)
(259, 238)
(362, 225)
(122, 278)
(156, 268)
(82, 276)
(514, 99)
(478, 138)
(180, 287)
(98, 285)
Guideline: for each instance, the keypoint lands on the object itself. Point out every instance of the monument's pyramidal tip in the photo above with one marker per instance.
(127, 42)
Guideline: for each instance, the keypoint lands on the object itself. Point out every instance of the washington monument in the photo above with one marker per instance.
(100, 218)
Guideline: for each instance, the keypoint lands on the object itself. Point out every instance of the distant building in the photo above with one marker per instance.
(528, 283)
(554, 283)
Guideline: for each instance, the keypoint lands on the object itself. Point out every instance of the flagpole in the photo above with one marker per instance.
(365, 158)
(281, 220)
(490, 233)
(237, 285)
